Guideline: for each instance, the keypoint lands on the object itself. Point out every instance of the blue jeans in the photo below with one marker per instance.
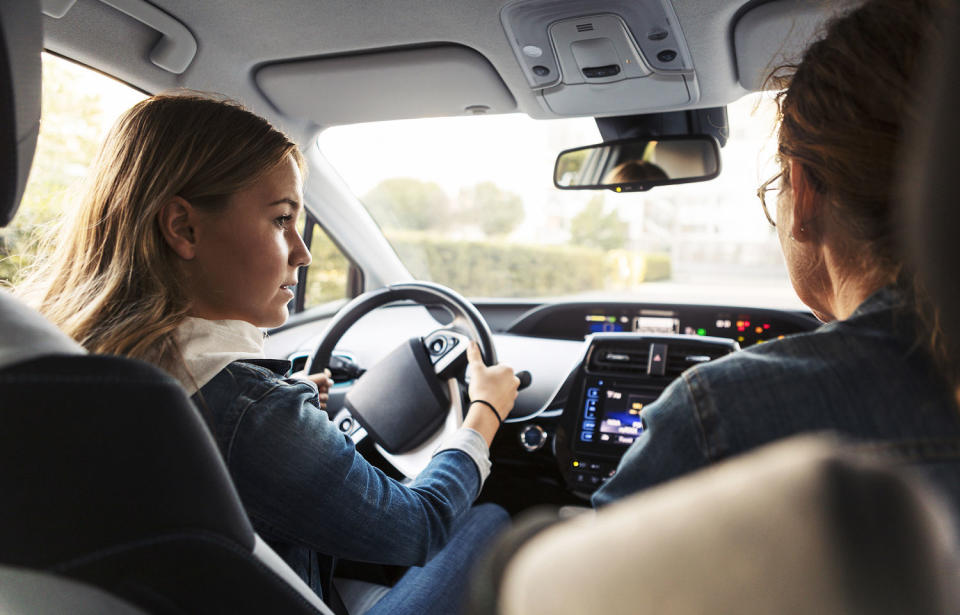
(441, 584)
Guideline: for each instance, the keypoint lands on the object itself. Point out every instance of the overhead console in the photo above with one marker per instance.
(610, 58)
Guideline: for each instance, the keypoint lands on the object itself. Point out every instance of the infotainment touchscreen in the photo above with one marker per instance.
(611, 416)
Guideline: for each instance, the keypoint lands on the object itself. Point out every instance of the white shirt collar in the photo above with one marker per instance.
(208, 346)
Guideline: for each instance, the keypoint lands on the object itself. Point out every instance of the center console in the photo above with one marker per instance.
(621, 376)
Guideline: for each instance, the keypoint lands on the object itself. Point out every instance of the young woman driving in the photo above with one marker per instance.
(182, 247)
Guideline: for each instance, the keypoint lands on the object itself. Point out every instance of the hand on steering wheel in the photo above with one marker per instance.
(405, 402)
(492, 392)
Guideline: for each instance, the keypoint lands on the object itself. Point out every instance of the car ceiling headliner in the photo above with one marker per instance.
(235, 37)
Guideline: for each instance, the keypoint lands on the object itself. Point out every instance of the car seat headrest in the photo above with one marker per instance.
(930, 166)
(21, 41)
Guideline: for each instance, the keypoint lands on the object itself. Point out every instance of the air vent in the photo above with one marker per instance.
(584, 27)
(298, 362)
(633, 357)
(621, 360)
(684, 356)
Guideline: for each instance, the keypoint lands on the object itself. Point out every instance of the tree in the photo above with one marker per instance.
(408, 203)
(74, 120)
(595, 229)
(495, 211)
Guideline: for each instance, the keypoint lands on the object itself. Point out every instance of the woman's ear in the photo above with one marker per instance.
(176, 223)
(805, 204)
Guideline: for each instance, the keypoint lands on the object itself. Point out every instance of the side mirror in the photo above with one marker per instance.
(630, 165)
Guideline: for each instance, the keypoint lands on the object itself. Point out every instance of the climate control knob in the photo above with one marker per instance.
(533, 437)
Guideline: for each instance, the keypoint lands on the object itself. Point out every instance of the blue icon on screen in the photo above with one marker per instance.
(593, 392)
(586, 436)
(589, 425)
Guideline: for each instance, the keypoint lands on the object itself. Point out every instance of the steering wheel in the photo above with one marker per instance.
(410, 401)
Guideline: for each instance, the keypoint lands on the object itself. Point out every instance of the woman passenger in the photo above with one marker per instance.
(183, 247)
(875, 372)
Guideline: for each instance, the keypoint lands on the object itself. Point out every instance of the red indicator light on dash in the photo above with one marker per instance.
(766, 326)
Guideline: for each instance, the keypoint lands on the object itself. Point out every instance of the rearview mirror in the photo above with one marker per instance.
(638, 164)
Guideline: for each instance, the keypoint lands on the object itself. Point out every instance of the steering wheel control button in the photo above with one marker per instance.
(657, 361)
(532, 438)
(446, 352)
(667, 55)
(437, 346)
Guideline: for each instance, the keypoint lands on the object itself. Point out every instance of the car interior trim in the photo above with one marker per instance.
(362, 87)
(776, 33)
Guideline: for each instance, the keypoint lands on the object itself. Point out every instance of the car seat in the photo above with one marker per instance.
(801, 526)
(114, 497)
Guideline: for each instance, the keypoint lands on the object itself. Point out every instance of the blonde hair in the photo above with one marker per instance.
(108, 278)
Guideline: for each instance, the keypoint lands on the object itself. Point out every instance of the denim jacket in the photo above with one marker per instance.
(864, 378)
(310, 495)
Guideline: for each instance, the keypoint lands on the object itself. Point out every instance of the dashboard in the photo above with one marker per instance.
(629, 354)
(596, 367)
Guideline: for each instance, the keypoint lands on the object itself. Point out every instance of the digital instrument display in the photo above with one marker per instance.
(744, 328)
(611, 416)
(601, 323)
(656, 325)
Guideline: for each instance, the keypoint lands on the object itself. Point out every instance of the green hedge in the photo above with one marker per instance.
(499, 269)
(493, 268)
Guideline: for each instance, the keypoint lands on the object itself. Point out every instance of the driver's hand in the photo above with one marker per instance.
(323, 382)
(495, 384)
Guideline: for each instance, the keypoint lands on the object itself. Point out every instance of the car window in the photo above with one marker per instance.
(328, 272)
(79, 106)
(469, 202)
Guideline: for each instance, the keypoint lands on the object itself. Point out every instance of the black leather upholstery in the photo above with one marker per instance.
(110, 477)
(111, 446)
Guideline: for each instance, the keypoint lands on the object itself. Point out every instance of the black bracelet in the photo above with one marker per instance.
(488, 405)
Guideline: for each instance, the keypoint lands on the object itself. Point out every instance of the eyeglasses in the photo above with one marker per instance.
(771, 185)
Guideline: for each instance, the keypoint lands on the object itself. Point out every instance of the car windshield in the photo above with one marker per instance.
(469, 202)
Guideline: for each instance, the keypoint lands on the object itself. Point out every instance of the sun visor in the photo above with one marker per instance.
(778, 33)
(444, 80)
